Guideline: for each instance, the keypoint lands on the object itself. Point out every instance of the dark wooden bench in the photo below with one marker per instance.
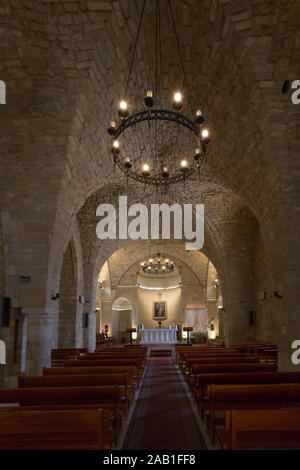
(192, 362)
(52, 430)
(110, 363)
(224, 397)
(179, 350)
(122, 380)
(261, 429)
(114, 356)
(193, 366)
(106, 397)
(131, 370)
(59, 356)
(210, 355)
(203, 380)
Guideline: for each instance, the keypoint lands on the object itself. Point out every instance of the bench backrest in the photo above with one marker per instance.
(101, 356)
(221, 360)
(131, 370)
(74, 380)
(76, 429)
(105, 362)
(249, 378)
(61, 395)
(261, 392)
(265, 420)
(214, 368)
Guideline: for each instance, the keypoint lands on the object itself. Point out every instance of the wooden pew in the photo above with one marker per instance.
(261, 429)
(103, 370)
(203, 380)
(45, 430)
(229, 367)
(59, 356)
(192, 365)
(224, 397)
(181, 349)
(106, 397)
(115, 355)
(138, 363)
(121, 380)
(210, 355)
(266, 352)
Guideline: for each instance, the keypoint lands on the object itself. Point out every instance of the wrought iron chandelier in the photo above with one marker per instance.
(158, 146)
(157, 266)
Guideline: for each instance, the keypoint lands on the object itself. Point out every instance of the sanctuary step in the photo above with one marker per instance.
(160, 352)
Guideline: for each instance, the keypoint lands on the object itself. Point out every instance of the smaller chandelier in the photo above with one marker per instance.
(158, 265)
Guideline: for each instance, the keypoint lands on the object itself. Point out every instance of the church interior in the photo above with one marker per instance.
(116, 333)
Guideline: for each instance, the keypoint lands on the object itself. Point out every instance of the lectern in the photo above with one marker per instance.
(131, 330)
(188, 329)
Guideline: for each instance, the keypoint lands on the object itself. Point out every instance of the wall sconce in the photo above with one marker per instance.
(25, 277)
(55, 296)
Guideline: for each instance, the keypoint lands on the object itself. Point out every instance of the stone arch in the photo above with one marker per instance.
(122, 304)
(121, 318)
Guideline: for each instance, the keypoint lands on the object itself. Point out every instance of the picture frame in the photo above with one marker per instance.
(159, 310)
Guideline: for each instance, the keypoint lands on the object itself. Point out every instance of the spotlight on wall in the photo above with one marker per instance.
(25, 277)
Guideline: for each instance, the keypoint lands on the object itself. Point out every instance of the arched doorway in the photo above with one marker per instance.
(121, 318)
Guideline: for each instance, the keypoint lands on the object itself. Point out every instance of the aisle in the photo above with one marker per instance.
(163, 417)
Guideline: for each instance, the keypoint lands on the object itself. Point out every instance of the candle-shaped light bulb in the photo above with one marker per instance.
(146, 167)
(198, 112)
(205, 133)
(183, 163)
(177, 97)
(123, 105)
(150, 94)
(116, 144)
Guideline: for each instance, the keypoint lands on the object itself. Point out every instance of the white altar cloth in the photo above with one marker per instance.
(158, 335)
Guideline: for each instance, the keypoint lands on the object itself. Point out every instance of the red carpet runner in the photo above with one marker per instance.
(163, 418)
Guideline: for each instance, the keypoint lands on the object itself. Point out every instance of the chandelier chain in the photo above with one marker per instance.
(134, 49)
(178, 50)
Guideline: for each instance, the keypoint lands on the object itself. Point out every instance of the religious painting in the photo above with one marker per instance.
(159, 310)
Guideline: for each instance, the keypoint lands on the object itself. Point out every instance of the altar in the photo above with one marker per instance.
(158, 335)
